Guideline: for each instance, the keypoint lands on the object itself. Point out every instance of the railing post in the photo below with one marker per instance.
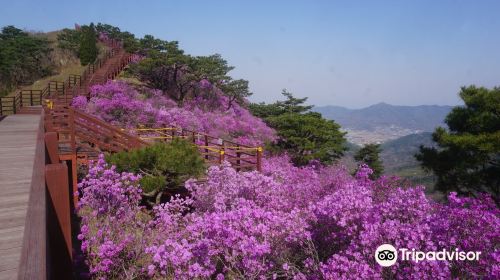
(259, 159)
(238, 157)
(31, 97)
(72, 129)
(73, 156)
(206, 147)
(221, 155)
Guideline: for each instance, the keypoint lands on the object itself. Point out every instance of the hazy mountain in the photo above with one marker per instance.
(398, 153)
(398, 158)
(382, 122)
(423, 117)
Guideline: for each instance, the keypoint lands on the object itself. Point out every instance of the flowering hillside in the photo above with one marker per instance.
(287, 222)
(209, 111)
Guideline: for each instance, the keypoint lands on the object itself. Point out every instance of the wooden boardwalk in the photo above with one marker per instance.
(17, 152)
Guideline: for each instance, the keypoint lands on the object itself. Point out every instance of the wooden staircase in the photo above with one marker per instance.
(83, 137)
(107, 67)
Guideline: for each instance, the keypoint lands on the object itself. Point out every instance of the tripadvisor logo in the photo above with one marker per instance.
(387, 255)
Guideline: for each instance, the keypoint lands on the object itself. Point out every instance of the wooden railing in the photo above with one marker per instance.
(213, 149)
(74, 127)
(33, 263)
(47, 242)
(47, 247)
(74, 84)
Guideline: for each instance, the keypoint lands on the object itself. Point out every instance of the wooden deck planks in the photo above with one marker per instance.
(17, 152)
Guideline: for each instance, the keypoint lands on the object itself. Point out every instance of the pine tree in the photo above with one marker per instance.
(88, 45)
(302, 134)
(467, 159)
(370, 155)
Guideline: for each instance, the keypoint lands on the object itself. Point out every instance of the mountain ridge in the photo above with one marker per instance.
(382, 122)
(419, 118)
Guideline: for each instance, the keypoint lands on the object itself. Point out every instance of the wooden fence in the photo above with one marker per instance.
(66, 134)
(47, 246)
(74, 85)
(47, 242)
(213, 149)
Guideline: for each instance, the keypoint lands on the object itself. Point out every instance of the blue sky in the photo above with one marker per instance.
(347, 53)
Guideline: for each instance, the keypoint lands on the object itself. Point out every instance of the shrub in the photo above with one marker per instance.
(120, 104)
(162, 165)
(287, 222)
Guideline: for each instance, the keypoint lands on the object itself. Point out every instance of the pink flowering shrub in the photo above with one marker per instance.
(313, 222)
(112, 224)
(121, 105)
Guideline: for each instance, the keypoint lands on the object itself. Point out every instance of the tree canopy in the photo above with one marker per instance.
(70, 39)
(370, 155)
(290, 105)
(168, 68)
(88, 45)
(302, 134)
(23, 58)
(467, 159)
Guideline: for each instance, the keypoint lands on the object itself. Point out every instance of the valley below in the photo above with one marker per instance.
(400, 130)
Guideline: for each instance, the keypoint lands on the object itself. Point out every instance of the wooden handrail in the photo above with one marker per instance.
(56, 89)
(46, 251)
(33, 262)
(213, 149)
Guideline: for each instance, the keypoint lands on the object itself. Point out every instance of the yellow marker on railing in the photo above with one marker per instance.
(50, 103)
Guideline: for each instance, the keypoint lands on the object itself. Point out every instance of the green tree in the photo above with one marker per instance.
(168, 71)
(69, 39)
(177, 74)
(370, 155)
(130, 43)
(88, 45)
(150, 43)
(290, 105)
(236, 90)
(23, 58)
(163, 166)
(467, 159)
(112, 31)
(301, 134)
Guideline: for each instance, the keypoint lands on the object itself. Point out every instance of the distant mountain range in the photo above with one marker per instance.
(398, 158)
(423, 117)
(400, 130)
(382, 122)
